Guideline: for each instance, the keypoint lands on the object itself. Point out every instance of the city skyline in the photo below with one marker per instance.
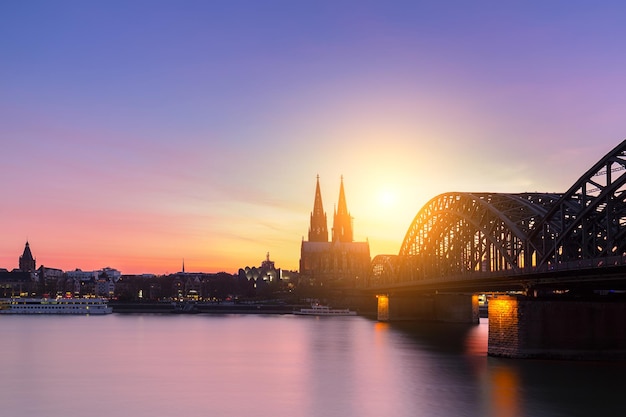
(138, 134)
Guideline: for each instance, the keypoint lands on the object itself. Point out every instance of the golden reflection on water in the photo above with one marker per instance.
(380, 327)
(501, 383)
(505, 387)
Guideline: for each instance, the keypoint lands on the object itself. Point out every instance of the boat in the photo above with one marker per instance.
(84, 306)
(322, 310)
(185, 307)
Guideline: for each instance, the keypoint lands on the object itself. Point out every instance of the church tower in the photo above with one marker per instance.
(318, 231)
(27, 262)
(342, 223)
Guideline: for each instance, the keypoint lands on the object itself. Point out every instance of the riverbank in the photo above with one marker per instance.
(200, 307)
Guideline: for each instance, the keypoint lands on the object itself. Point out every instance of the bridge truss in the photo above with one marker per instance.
(465, 234)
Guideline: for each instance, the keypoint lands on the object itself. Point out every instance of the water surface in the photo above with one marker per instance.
(282, 365)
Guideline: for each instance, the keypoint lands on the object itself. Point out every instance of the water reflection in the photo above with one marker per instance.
(261, 366)
(514, 388)
(565, 388)
(503, 388)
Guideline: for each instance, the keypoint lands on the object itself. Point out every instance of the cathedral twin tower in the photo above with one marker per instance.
(342, 222)
(341, 261)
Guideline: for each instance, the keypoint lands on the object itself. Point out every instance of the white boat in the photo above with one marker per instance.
(321, 310)
(59, 305)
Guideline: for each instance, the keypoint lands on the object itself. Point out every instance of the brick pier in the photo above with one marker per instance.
(522, 327)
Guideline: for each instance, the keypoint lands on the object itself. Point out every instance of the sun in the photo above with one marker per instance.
(386, 198)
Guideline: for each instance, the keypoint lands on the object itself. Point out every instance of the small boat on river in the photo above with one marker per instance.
(322, 310)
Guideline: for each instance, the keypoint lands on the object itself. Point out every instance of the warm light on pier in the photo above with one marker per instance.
(383, 307)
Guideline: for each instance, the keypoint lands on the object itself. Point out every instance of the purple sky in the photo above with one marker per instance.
(138, 133)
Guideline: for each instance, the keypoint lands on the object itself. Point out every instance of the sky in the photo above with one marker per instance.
(137, 134)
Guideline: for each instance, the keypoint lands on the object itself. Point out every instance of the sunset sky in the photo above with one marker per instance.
(136, 134)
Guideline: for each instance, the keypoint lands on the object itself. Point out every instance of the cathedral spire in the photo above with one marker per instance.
(342, 223)
(318, 231)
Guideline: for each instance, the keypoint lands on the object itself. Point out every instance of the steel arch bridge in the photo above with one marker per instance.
(465, 237)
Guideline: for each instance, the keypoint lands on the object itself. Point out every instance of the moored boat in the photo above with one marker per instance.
(185, 307)
(322, 310)
(83, 306)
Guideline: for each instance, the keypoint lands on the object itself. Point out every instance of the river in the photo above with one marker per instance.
(143, 365)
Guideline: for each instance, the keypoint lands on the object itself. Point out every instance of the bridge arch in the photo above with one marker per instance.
(456, 233)
(589, 220)
(461, 233)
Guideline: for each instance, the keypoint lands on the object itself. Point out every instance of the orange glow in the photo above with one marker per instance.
(380, 326)
(383, 307)
(504, 392)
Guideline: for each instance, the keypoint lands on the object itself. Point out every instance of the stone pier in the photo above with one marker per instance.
(453, 308)
(522, 327)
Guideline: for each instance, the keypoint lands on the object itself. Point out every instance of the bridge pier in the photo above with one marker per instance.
(523, 327)
(453, 308)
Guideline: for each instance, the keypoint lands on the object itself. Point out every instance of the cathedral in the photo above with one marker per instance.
(340, 262)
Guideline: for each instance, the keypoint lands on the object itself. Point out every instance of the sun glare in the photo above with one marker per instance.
(386, 198)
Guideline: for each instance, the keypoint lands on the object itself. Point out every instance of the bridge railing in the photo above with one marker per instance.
(604, 262)
(576, 265)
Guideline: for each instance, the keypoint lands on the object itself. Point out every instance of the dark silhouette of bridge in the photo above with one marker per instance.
(482, 242)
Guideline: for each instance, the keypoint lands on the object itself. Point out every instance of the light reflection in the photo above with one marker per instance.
(504, 389)
(283, 365)
(380, 326)
(476, 340)
(381, 330)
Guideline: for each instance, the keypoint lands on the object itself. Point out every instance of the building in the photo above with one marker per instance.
(27, 262)
(16, 283)
(104, 286)
(20, 281)
(255, 280)
(340, 262)
(80, 275)
(50, 274)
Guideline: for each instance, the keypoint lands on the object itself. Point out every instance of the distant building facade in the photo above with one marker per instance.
(15, 283)
(255, 280)
(50, 274)
(340, 262)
